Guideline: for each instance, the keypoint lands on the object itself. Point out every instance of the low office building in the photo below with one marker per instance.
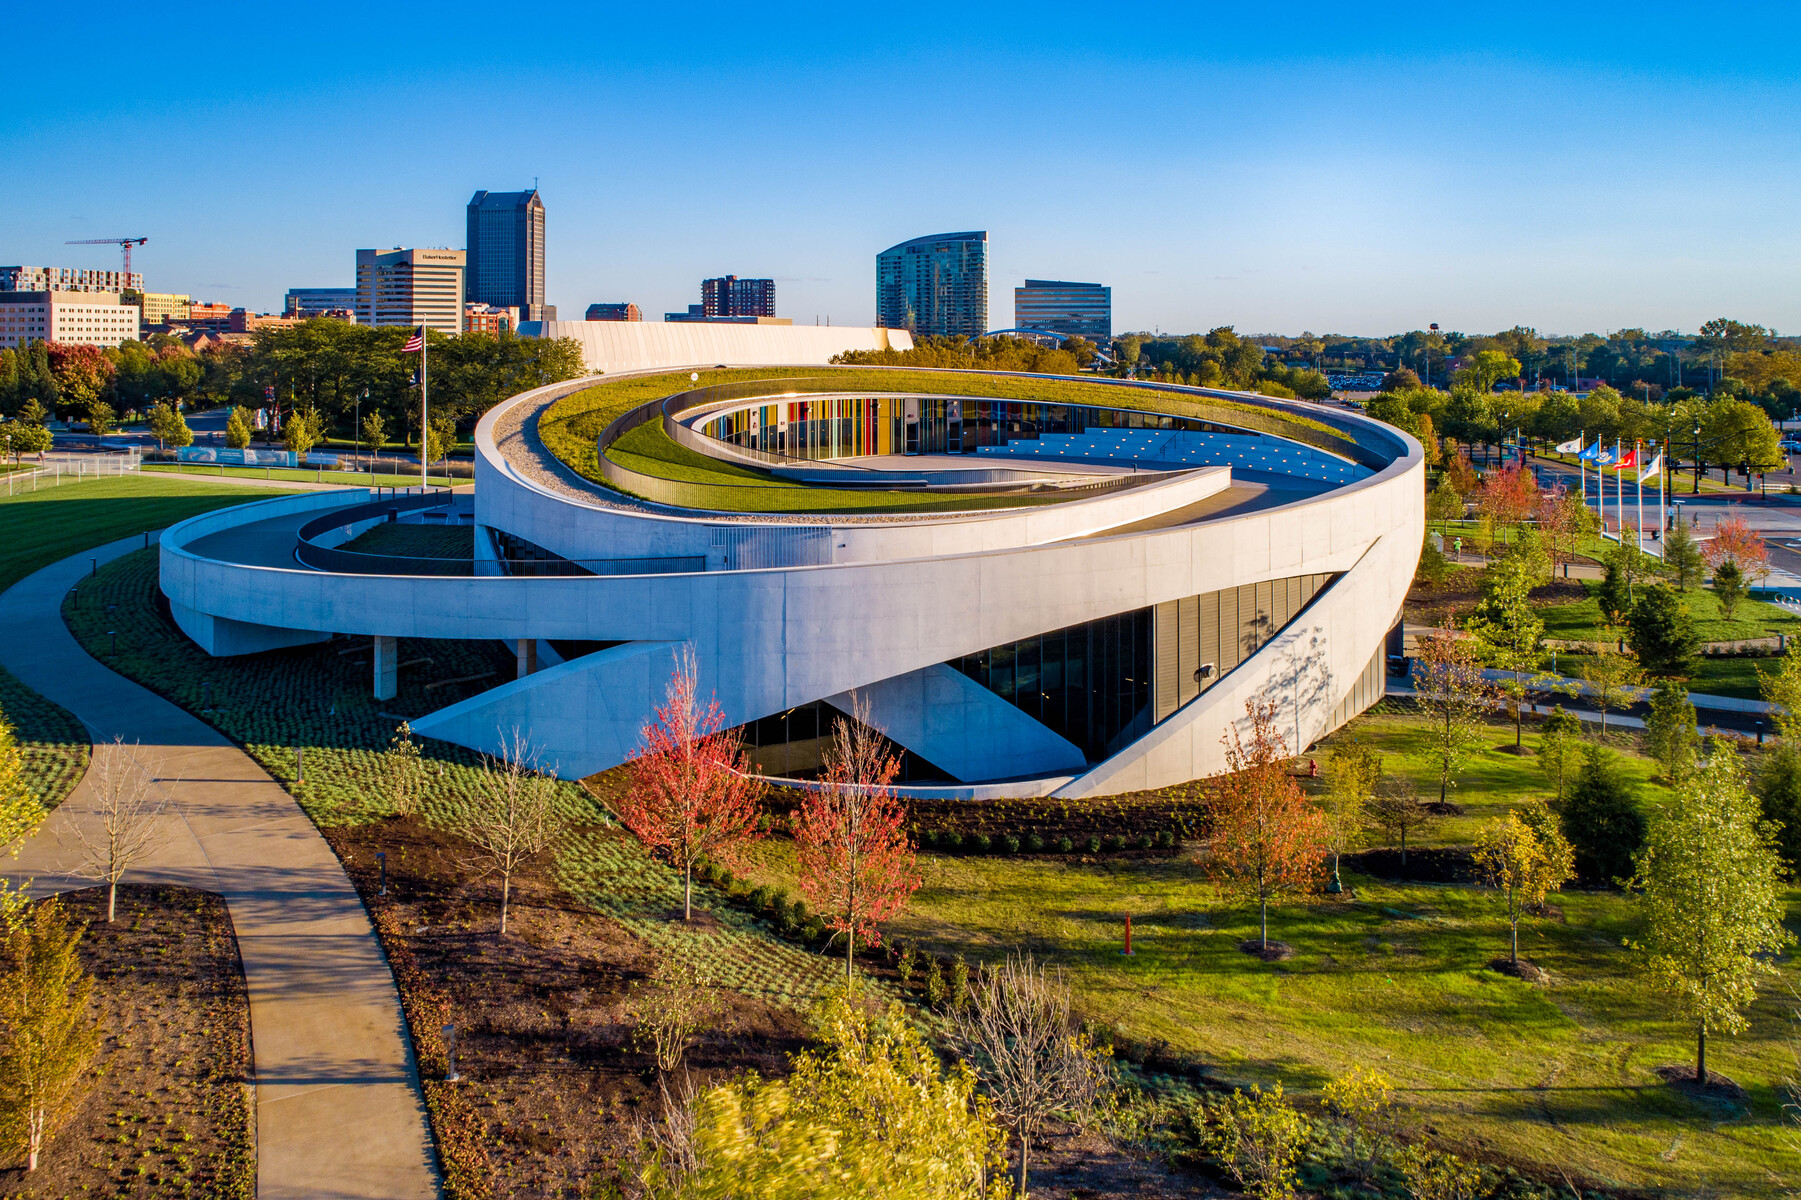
(71, 318)
(490, 318)
(1068, 309)
(410, 287)
(159, 308)
(316, 302)
(622, 311)
(68, 279)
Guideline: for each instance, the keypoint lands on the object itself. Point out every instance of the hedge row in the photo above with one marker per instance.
(949, 841)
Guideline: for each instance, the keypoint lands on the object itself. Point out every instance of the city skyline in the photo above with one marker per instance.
(1370, 173)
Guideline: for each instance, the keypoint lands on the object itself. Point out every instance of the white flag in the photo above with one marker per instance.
(1573, 446)
(1655, 468)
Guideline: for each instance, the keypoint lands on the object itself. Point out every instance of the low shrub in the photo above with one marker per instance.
(927, 839)
(1065, 845)
(1147, 842)
(1094, 843)
(951, 840)
(1011, 843)
(983, 843)
(1035, 843)
(1167, 839)
(760, 897)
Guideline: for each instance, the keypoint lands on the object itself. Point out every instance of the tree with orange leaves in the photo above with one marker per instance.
(692, 793)
(1734, 541)
(1269, 841)
(850, 842)
(1508, 496)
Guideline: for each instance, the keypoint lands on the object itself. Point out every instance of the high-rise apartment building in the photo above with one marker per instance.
(71, 318)
(730, 296)
(316, 302)
(625, 310)
(934, 285)
(506, 252)
(68, 279)
(1071, 309)
(410, 287)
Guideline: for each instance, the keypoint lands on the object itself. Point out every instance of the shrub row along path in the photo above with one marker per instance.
(339, 1112)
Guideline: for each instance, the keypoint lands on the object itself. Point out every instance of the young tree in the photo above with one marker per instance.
(1268, 840)
(1352, 769)
(1670, 730)
(873, 1114)
(1682, 558)
(1395, 808)
(101, 417)
(1624, 566)
(1508, 496)
(440, 439)
(48, 1034)
(513, 818)
(1661, 633)
(1508, 632)
(237, 429)
(128, 823)
(1610, 678)
(1034, 1062)
(850, 841)
(168, 425)
(374, 434)
(403, 771)
(1713, 901)
(1602, 818)
(691, 792)
(1450, 688)
(1559, 749)
(26, 438)
(301, 432)
(1444, 503)
(1735, 542)
(1565, 523)
(1729, 588)
(1524, 860)
(20, 811)
(1779, 782)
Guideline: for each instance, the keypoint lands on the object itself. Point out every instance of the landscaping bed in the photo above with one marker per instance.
(167, 1108)
(52, 743)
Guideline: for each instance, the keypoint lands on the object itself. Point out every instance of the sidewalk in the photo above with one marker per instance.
(339, 1112)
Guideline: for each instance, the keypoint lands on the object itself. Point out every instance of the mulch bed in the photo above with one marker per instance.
(553, 1085)
(1682, 1078)
(1274, 952)
(166, 1112)
(1431, 865)
(1524, 969)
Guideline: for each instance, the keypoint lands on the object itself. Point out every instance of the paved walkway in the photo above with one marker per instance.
(339, 1111)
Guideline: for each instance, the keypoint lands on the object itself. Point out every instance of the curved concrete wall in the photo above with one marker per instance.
(908, 597)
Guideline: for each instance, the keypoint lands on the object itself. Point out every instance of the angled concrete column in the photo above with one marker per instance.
(387, 667)
(527, 657)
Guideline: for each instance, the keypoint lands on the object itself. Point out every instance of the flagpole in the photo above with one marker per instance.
(1663, 513)
(1619, 493)
(424, 421)
(1638, 533)
(1582, 466)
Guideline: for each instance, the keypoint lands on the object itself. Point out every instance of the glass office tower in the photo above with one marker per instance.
(1071, 309)
(506, 252)
(934, 285)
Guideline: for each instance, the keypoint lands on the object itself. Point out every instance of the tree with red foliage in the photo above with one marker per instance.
(1508, 496)
(1734, 541)
(692, 793)
(1269, 841)
(82, 374)
(850, 844)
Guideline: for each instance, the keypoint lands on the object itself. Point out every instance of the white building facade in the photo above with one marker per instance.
(71, 318)
(401, 287)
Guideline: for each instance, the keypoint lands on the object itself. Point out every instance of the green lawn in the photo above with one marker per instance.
(1581, 620)
(416, 541)
(50, 524)
(296, 475)
(1559, 1077)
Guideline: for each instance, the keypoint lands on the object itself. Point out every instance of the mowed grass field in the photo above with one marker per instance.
(1557, 1078)
(53, 523)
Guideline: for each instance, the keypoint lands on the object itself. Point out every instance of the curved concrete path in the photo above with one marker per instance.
(339, 1112)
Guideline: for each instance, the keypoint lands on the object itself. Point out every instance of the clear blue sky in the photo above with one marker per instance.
(1343, 168)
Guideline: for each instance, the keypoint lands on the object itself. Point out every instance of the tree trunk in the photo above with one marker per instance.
(1263, 920)
(506, 887)
(1025, 1146)
(687, 891)
(1701, 1055)
(850, 952)
(1513, 928)
(112, 899)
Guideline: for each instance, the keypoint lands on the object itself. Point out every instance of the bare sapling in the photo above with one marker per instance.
(125, 823)
(514, 816)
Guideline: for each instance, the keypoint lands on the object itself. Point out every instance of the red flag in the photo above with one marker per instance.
(1628, 460)
(415, 343)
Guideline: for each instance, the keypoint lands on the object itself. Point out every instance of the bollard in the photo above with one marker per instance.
(76, 592)
(112, 649)
(381, 856)
(1128, 950)
(96, 567)
(450, 1053)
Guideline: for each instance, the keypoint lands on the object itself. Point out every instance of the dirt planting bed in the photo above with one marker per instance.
(166, 1110)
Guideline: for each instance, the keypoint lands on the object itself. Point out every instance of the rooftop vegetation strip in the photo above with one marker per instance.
(571, 427)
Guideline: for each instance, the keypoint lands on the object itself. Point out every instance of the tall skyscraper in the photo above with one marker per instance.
(506, 252)
(934, 285)
(1071, 309)
(730, 296)
(410, 287)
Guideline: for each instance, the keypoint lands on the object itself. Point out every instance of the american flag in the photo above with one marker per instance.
(415, 343)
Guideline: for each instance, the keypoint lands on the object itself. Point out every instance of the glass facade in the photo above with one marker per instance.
(793, 744)
(1071, 309)
(1103, 684)
(847, 426)
(935, 285)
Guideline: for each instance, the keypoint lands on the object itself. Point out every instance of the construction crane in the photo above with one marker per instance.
(124, 244)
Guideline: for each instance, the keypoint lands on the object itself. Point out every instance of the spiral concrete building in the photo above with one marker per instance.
(1073, 594)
